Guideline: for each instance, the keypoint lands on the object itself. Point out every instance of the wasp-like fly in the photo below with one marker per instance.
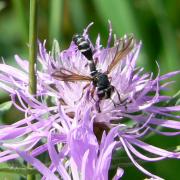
(99, 79)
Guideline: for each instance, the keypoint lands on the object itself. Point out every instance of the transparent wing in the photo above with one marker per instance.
(66, 75)
(124, 47)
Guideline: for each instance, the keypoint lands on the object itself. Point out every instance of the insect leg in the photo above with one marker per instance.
(121, 102)
(119, 98)
(97, 104)
(83, 92)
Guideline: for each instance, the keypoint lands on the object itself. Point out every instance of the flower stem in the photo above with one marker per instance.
(32, 55)
(32, 46)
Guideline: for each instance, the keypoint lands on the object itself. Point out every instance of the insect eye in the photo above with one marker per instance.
(95, 79)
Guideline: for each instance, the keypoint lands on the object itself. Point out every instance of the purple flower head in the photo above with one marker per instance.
(67, 120)
(90, 158)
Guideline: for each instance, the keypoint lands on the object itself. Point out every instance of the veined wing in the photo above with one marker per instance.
(127, 45)
(66, 75)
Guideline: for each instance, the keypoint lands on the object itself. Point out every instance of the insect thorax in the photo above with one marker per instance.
(104, 88)
(101, 80)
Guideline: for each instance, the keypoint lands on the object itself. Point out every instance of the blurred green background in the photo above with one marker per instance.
(155, 22)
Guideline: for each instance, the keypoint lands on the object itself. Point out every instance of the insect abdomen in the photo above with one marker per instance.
(84, 47)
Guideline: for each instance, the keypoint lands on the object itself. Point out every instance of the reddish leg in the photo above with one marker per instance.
(83, 91)
(98, 106)
(97, 102)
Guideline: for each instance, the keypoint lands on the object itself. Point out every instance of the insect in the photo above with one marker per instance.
(99, 79)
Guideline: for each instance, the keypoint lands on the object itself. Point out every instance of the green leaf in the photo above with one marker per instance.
(78, 14)
(22, 171)
(55, 49)
(5, 106)
(175, 100)
(2, 5)
(19, 9)
(178, 149)
(120, 13)
(177, 97)
(15, 170)
(56, 17)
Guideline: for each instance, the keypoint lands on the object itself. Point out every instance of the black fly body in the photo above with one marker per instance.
(100, 80)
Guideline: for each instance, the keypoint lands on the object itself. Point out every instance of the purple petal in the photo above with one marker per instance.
(153, 149)
(38, 165)
(169, 75)
(56, 160)
(119, 174)
(24, 64)
(136, 164)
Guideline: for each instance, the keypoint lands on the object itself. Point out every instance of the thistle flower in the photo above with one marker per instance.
(62, 120)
